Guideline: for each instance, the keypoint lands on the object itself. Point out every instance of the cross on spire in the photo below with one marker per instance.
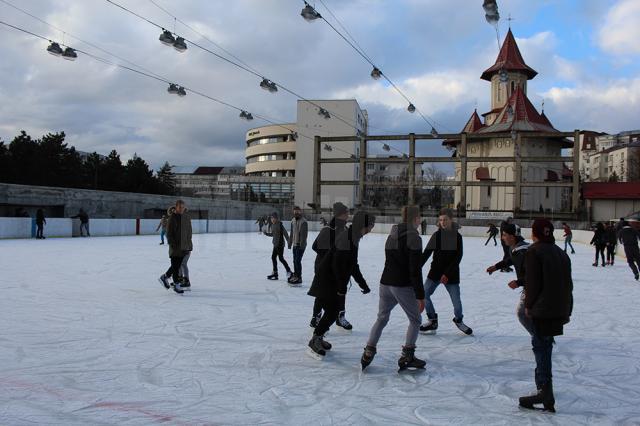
(510, 19)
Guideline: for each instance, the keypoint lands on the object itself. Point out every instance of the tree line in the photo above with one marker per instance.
(49, 161)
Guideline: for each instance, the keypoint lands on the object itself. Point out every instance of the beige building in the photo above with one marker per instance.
(271, 151)
(618, 163)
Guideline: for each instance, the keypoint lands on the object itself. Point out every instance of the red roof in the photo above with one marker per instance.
(474, 124)
(611, 190)
(545, 119)
(509, 59)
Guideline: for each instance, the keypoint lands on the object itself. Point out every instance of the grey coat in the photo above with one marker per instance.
(299, 232)
(278, 235)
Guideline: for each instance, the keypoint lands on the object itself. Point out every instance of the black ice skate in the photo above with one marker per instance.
(543, 396)
(342, 321)
(430, 326)
(462, 327)
(316, 349)
(325, 345)
(178, 288)
(367, 356)
(273, 276)
(185, 284)
(295, 281)
(408, 361)
(164, 280)
(314, 321)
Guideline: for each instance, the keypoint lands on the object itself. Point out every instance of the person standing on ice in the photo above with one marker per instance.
(505, 248)
(612, 242)
(401, 283)
(518, 249)
(162, 226)
(492, 231)
(629, 239)
(599, 240)
(185, 283)
(332, 276)
(40, 222)
(278, 236)
(299, 231)
(548, 302)
(179, 236)
(567, 237)
(84, 221)
(446, 246)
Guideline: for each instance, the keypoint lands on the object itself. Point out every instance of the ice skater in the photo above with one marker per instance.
(567, 237)
(332, 277)
(278, 236)
(401, 283)
(260, 222)
(548, 303)
(505, 248)
(162, 226)
(612, 243)
(179, 235)
(84, 222)
(599, 240)
(493, 232)
(446, 246)
(299, 232)
(629, 239)
(517, 251)
(40, 223)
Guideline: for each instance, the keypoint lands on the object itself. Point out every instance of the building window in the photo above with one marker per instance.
(546, 192)
(513, 86)
(489, 191)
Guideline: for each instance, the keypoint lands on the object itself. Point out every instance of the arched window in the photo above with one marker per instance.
(513, 86)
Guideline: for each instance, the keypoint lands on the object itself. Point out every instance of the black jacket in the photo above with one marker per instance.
(179, 234)
(278, 235)
(629, 237)
(612, 236)
(326, 239)
(336, 267)
(548, 287)
(517, 259)
(446, 246)
(403, 259)
(599, 237)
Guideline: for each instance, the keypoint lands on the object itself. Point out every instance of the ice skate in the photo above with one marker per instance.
(314, 321)
(316, 349)
(342, 321)
(462, 327)
(408, 361)
(273, 276)
(430, 326)
(178, 288)
(367, 356)
(164, 281)
(185, 284)
(543, 396)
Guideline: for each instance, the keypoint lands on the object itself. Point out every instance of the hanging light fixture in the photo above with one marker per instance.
(167, 38)
(268, 85)
(55, 49)
(411, 108)
(327, 148)
(376, 73)
(323, 112)
(504, 76)
(386, 147)
(309, 13)
(246, 115)
(492, 19)
(181, 91)
(434, 132)
(180, 45)
(173, 89)
(490, 6)
(353, 157)
(69, 54)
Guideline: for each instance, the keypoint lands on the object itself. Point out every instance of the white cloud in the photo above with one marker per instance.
(620, 33)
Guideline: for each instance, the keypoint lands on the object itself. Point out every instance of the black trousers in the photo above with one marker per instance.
(330, 308)
(317, 305)
(611, 252)
(39, 230)
(278, 253)
(600, 251)
(174, 269)
(633, 258)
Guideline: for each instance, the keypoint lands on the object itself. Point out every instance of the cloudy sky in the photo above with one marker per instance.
(586, 52)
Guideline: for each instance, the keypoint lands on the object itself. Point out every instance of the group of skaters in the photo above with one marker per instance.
(543, 271)
(176, 227)
(41, 221)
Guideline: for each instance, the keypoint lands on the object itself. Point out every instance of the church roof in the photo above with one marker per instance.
(474, 124)
(509, 59)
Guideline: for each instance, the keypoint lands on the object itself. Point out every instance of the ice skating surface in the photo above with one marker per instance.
(89, 336)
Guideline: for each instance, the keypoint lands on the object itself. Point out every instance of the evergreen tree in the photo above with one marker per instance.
(139, 177)
(22, 168)
(166, 179)
(93, 169)
(112, 173)
(5, 160)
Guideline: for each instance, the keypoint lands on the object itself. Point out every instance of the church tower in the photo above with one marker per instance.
(509, 72)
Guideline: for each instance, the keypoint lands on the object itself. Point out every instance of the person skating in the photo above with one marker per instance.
(517, 251)
(493, 232)
(548, 303)
(162, 226)
(278, 236)
(599, 240)
(612, 242)
(332, 277)
(567, 237)
(185, 282)
(446, 246)
(629, 239)
(299, 232)
(401, 283)
(179, 238)
(40, 222)
(260, 222)
(505, 248)
(84, 222)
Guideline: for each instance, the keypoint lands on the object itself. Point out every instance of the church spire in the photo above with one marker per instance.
(509, 59)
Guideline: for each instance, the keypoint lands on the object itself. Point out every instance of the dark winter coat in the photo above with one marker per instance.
(629, 237)
(299, 232)
(326, 239)
(83, 216)
(493, 231)
(40, 220)
(517, 259)
(336, 267)
(446, 246)
(599, 237)
(278, 235)
(548, 287)
(179, 234)
(612, 236)
(403, 259)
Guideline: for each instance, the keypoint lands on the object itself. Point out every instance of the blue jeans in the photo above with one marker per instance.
(567, 240)
(298, 252)
(162, 233)
(454, 293)
(542, 347)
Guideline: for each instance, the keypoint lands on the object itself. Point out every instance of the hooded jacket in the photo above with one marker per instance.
(629, 236)
(403, 259)
(517, 259)
(446, 246)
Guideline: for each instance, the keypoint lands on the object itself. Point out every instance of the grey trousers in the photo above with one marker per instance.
(526, 322)
(184, 269)
(390, 297)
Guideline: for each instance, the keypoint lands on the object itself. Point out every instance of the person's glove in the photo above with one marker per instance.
(365, 289)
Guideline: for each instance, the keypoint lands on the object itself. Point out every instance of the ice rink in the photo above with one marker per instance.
(89, 336)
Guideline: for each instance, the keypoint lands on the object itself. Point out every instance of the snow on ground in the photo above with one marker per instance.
(89, 336)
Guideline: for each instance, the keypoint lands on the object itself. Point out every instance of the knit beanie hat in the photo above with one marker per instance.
(543, 230)
(274, 215)
(339, 209)
(511, 229)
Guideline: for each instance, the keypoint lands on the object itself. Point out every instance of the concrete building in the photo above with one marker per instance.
(611, 200)
(512, 113)
(207, 182)
(619, 163)
(287, 150)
